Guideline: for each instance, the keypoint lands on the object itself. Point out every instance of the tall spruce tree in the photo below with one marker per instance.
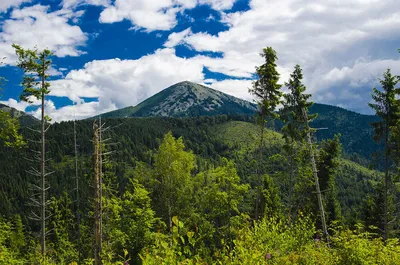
(294, 128)
(387, 107)
(36, 65)
(266, 91)
(297, 127)
(328, 163)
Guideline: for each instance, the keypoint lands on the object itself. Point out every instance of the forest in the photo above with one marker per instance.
(224, 189)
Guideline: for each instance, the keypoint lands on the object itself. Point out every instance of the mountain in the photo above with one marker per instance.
(23, 118)
(187, 99)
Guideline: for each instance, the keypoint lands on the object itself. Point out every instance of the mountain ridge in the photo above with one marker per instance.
(186, 99)
(24, 118)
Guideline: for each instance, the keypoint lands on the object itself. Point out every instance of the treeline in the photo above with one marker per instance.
(128, 198)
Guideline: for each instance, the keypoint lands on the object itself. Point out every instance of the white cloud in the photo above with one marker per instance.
(218, 4)
(237, 88)
(76, 3)
(36, 26)
(176, 38)
(318, 35)
(351, 87)
(6, 4)
(119, 83)
(153, 15)
(72, 112)
(19, 105)
(148, 14)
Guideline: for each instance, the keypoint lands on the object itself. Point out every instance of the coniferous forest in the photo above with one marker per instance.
(266, 187)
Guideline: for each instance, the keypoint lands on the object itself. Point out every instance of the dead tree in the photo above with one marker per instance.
(315, 173)
(97, 195)
(36, 65)
(78, 212)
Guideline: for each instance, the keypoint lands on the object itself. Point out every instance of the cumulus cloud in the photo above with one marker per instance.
(43, 29)
(176, 38)
(119, 83)
(6, 4)
(153, 15)
(76, 3)
(321, 36)
(237, 88)
(350, 87)
(19, 105)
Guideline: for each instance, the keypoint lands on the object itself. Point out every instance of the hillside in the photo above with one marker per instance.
(23, 118)
(355, 129)
(354, 181)
(210, 138)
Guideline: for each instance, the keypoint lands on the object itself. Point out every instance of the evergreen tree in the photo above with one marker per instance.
(36, 66)
(266, 91)
(297, 127)
(328, 163)
(387, 107)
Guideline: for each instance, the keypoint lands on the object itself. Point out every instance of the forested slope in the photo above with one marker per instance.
(135, 139)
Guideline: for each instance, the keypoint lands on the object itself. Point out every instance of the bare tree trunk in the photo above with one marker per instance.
(43, 182)
(97, 223)
(291, 183)
(386, 187)
(101, 184)
(315, 172)
(78, 213)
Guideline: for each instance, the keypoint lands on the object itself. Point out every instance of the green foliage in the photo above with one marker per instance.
(361, 247)
(296, 101)
(9, 131)
(131, 224)
(9, 127)
(272, 241)
(137, 218)
(387, 106)
(62, 223)
(35, 65)
(218, 196)
(11, 242)
(172, 177)
(266, 88)
(328, 163)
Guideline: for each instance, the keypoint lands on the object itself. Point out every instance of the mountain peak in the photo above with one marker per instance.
(187, 99)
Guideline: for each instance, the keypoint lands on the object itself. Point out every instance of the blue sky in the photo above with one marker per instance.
(111, 54)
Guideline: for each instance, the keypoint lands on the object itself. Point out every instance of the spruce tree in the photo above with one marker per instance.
(387, 107)
(266, 91)
(36, 65)
(297, 127)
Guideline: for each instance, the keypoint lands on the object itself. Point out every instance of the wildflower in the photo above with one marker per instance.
(268, 256)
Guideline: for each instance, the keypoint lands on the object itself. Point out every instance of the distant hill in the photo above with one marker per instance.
(186, 99)
(23, 118)
(355, 129)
